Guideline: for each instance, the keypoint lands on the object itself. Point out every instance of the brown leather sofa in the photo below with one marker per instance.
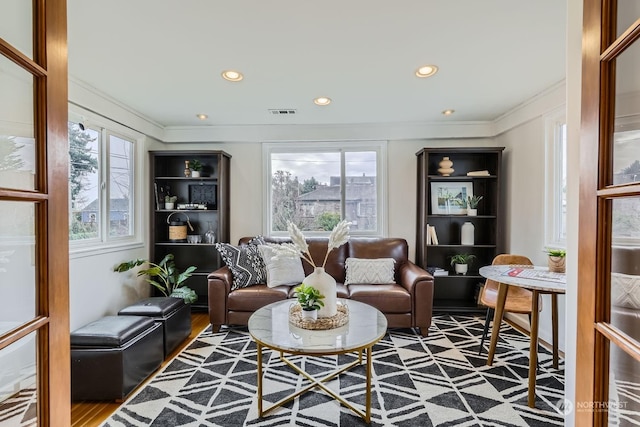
(406, 304)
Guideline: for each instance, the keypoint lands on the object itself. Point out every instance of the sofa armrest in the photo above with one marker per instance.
(419, 283)
(219, 283)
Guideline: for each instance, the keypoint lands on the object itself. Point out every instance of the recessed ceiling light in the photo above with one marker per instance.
(232, 75)
(448, 112)
(202, 116)
(322, 100)
(426, 71)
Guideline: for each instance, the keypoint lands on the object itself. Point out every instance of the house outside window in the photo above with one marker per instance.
(317, 187)
(102, 186)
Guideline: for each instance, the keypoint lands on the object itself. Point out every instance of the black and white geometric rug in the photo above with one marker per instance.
(439, 380)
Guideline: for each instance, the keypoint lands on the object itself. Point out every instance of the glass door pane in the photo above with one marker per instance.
(16, 25)
(18, 386)
(626, 137)
(17, 264)
(17, 144)
(624, 389)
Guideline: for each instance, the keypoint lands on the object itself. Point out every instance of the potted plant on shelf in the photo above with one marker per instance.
(170, 202)
(310, 299)
(556, 260)
(472, 205)
(460, 262)
(196, 168)
(164, 276)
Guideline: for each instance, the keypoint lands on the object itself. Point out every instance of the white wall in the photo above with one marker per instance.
(524, 180)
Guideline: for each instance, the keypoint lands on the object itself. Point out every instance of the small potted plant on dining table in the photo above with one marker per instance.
(556, 260)
(310, 299)
(460, 262)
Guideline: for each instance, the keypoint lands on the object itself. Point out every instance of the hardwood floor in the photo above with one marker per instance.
(92, 414)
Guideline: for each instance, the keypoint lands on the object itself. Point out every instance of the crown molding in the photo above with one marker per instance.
(362, 131)
(91, 99)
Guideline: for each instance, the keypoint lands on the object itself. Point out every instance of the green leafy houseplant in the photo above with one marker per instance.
(556, 252)
(164, 276)
(196, 165)
(462, 259)
(473, 201)
(460, 262)
(170, 199)
(309, 297)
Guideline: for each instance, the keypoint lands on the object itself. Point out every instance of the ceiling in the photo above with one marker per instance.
(164, 58)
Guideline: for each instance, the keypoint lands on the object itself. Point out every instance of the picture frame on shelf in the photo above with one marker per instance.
(449, 198)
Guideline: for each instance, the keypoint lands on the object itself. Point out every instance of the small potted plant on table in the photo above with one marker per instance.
(310, 299)
(460, 262)
(557, 260)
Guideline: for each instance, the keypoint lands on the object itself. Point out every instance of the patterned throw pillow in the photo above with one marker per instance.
(370, 271)
(245, 263)
(625, 290)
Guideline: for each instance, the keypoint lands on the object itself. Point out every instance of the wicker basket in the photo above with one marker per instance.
(341, 318)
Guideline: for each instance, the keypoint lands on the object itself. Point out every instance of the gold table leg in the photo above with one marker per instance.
(319, 383)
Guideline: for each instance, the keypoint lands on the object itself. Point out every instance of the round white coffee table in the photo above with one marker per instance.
(269, 327)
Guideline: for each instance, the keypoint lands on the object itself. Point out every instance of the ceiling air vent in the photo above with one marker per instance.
(282, 111)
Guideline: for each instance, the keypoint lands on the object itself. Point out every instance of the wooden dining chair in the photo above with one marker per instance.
(518, 299)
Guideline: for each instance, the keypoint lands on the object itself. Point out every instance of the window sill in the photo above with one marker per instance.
(81, 251)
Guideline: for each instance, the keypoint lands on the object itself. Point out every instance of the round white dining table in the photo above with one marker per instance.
(540, 281)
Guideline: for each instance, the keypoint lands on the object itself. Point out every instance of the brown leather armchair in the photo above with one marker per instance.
(406, 304)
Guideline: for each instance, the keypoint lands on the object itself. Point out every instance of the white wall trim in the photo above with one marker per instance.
(536, 106)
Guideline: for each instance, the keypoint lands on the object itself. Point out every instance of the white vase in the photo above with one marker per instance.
(169, 206)
(461, 268)
(472, 212)
(195, 174)
(326, 285)
(467, 233)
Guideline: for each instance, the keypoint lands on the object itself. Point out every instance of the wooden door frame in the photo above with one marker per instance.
(56, 407)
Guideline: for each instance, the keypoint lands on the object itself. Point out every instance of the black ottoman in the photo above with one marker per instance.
(172, 313)
(113, 355)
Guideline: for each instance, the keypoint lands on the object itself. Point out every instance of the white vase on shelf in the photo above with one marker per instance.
(467, 234)
(326, 285)
(472, 212)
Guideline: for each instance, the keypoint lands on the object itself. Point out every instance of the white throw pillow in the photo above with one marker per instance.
(625, 290)
(370, 271)
(283, 269)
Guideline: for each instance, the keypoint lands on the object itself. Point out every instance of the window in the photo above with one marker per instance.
(102, 186)
(315, 187)
(556, 188)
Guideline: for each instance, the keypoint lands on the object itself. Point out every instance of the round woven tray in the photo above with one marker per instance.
(339, 319)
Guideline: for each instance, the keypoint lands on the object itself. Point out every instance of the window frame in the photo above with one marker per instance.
(107, 128)
(555, 154)
(342, 147)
